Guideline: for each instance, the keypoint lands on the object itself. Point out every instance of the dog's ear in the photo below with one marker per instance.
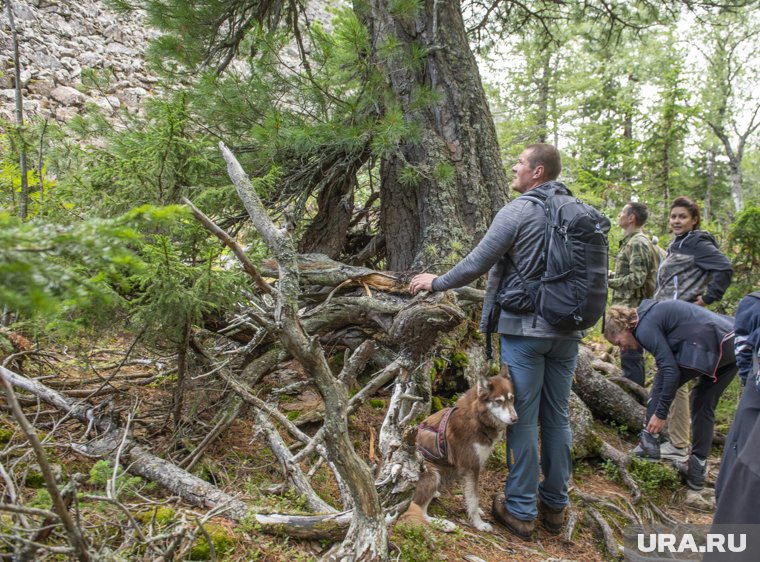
(483, 384)
(504, 371)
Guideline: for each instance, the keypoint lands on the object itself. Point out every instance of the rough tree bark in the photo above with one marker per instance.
(441, 188)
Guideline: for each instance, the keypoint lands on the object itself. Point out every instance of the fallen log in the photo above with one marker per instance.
(605, 399)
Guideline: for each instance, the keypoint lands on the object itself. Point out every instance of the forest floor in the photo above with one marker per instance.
(240, 463)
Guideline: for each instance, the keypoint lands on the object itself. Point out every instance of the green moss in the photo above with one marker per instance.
(377, 403)
(42, 499)
(222, 539)
(163, 515)
(416, 543)
(436, 404)
(34, 480)
(294, 415)
(5, 435)
(654, 479)
(460, 360)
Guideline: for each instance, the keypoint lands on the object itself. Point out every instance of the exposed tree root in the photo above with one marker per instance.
(612, 547)
(621, 461)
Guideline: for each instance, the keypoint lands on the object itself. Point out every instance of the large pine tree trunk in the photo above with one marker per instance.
(454, 181)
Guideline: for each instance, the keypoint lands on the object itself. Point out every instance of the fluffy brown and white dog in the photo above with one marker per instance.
(456, 442)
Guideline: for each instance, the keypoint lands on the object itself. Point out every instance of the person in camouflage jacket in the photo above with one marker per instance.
(634, 278)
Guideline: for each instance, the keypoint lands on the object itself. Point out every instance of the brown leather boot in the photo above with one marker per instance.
(552, 520)
(523, 529)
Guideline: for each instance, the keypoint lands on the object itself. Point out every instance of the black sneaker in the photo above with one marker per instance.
(648, 447)
(693, 472)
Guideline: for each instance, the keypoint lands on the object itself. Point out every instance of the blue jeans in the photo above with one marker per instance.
(542, 372)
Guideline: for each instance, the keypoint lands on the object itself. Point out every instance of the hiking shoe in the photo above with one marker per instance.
(671, 452)
(553, 520)
(648, 447)
(693, 472)
(518, 527)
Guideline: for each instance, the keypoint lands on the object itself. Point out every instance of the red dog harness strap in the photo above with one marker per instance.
(441, 452)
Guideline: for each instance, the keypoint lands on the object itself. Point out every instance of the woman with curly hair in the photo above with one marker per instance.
(688, 342)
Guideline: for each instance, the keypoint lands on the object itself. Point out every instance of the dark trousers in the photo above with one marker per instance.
(704, 398)
(746, 423)
(632, 363)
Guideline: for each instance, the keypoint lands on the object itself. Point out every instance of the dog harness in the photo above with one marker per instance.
(441, 446)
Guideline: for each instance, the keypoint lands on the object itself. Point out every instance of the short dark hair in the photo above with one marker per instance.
(690, 206)
(545, 155)
(639, 211)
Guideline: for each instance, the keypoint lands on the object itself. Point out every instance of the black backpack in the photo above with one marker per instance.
(572, 292)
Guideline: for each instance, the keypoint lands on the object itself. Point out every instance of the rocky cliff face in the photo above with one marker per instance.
(57, 40)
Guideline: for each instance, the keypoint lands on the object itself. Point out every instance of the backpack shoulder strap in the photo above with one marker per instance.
(535, 198)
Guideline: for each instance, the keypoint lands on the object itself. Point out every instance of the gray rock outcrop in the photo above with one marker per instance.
(58, 40)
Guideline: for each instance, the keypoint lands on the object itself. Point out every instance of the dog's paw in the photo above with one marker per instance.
(482, 526)
(443, 524)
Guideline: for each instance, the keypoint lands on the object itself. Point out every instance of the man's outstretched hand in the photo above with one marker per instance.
(421, 282)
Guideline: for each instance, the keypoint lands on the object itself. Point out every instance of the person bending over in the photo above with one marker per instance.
(688, 342)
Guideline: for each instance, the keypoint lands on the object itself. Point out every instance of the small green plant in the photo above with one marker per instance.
(102, 471)
(653, 477)
(610, 470)
(621, 428)
(436, 404)
(249, 524)
(34, 480)
(416, 543)
(377, 403)
(42, 499)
